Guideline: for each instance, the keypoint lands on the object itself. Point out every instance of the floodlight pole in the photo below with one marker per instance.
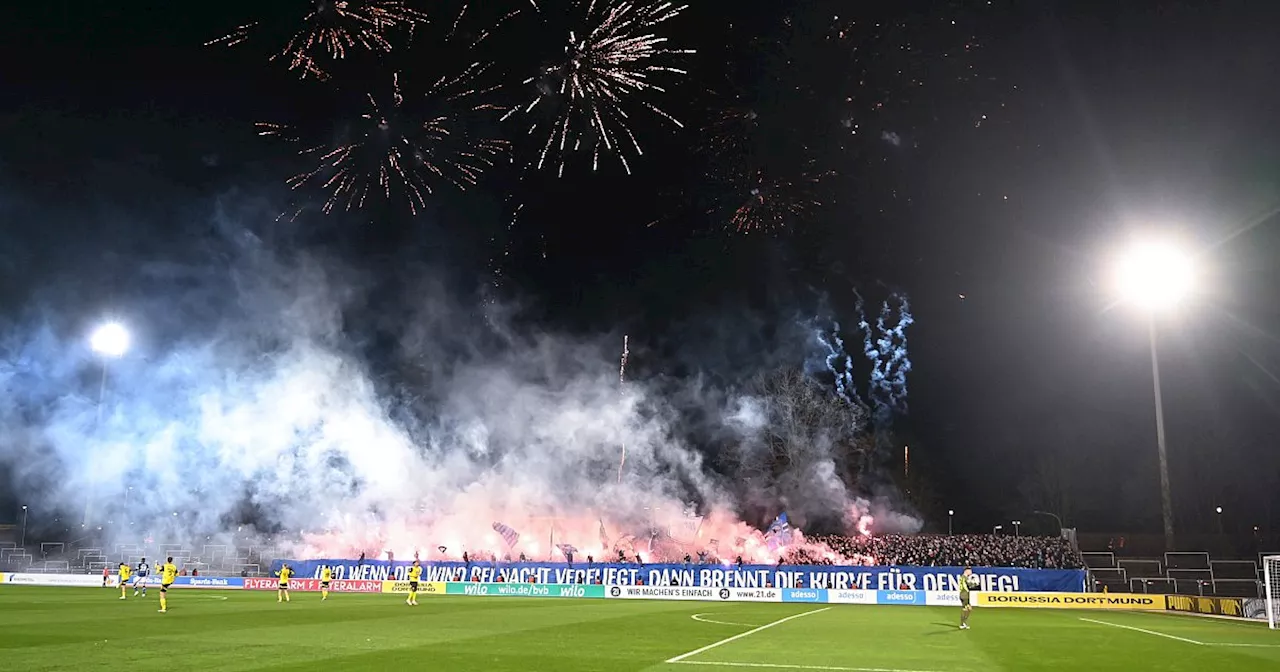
(102, 393)
(1166, 503)
(23, 543)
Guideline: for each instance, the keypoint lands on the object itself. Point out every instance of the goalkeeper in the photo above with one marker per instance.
(968, 582)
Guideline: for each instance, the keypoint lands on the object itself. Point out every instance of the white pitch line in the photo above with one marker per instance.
(1143, 630)
(1257, 646)
(738, 636)
(775, 666)
(707, 620)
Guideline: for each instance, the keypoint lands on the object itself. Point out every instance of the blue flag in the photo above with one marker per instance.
(779, 533)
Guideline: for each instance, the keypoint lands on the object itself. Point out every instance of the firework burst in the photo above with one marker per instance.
(611, 62)
(402, 145)
(331, 29)
(771, 204)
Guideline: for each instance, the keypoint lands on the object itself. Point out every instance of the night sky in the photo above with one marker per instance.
(984, 159)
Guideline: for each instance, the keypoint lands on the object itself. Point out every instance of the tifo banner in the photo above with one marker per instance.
(1072, 600)
(995, 579)
(59, 580)
(1219, 606)
(402, 587)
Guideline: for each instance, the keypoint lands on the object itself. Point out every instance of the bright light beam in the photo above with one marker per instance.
(110, 340)
(1155, 275)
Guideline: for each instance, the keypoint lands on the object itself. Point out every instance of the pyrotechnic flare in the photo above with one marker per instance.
(403, 144)
(610, 65)
(333, 28)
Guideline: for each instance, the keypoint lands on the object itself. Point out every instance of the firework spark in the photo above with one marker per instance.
(611, 61)
(772, 204)
(403, 145)
(333, 28)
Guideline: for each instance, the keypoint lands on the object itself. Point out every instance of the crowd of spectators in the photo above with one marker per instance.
(977, 550)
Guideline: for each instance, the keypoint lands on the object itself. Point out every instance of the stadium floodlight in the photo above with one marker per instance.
(1156, 276)
(23, 543)
(1017, 528)
(110, 340)
(996, 529)
(951, 516)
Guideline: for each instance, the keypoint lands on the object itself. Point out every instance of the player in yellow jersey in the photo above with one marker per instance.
(125, 571)
(326, 575)
(415, 574)
(282, 590)
(168, 574)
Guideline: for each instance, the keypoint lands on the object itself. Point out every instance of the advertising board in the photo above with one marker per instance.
(86, 580)
(1218, 606)
(402, 587)
(1113, 601)
(523, 590)
(216, 582)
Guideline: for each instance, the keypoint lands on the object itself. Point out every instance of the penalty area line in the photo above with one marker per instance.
(1145, 631)
(748, 633)
(778, 666)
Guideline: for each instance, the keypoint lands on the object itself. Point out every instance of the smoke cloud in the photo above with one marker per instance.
(271, 393)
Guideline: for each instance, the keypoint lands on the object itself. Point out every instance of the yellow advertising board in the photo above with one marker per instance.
(1, 577)
(424, 587)
(1115, 601)
(1218, 606)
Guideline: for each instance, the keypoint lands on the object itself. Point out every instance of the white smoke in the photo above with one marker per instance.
(274, 415)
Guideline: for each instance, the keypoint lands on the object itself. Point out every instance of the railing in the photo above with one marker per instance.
(1099, 560)
(1142, 568)
(1234, 569)
(1186, 560)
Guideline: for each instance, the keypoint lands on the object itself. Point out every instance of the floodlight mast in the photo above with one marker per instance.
(110, 341)
(1157, 277)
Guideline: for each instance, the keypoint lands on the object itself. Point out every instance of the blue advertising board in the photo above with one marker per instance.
(209, 582)
(812, 577)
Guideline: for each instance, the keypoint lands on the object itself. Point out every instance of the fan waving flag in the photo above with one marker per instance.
(779, 533)
(509, 535)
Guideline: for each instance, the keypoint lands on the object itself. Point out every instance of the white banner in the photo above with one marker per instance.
(707, 594)
(851, 596)
(664, 593)
(59, 580)
(750, 594)
(933, 598)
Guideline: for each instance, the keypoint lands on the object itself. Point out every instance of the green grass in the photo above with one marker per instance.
(91, 629)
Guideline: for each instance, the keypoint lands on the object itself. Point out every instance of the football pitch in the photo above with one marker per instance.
(92, 629)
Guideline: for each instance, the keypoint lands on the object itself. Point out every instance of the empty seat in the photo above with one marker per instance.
(1234, 569)
(1142, 568)
(1099, 560)
(1186, 560)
